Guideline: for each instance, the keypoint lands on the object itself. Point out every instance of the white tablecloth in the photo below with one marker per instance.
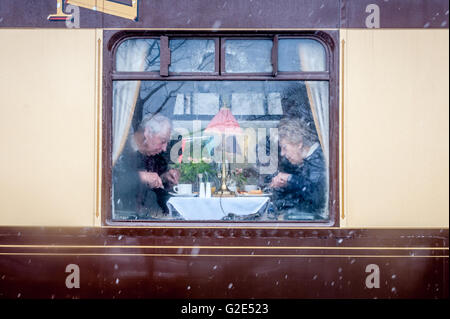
(194, 208)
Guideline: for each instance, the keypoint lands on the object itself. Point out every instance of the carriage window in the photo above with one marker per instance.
(301, 54)
(220, 148)
(248, 56)
(192, 55)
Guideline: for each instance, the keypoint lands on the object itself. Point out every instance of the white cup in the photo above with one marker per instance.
(183, 189)
(249, 188)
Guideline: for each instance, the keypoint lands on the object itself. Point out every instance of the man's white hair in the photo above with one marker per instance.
(155, 124)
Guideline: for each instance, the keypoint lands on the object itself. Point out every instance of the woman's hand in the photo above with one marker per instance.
(280, 180)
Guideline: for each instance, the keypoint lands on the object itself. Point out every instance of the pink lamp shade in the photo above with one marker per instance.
(224, 123)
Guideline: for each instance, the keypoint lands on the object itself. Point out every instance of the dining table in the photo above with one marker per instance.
(217, 208)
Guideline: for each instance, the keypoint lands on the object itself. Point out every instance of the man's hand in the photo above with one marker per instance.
(151, 179)
(172, 176)
(280, 180)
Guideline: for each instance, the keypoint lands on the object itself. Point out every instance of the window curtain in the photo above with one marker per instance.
(312, 59)
(132, 57)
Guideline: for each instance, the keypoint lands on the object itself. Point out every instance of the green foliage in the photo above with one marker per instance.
(189, 171)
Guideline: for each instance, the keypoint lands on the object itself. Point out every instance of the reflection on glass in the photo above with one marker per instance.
(192, 55)
(273, 138)
(301, 55)
(248, 56)
(137, 55)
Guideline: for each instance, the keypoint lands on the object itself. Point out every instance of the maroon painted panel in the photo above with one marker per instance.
(239, 14)
(33, 14)
(233, 14)
(223, 263)
(185, 14)
(220, 277)
(396, 13)
(228, 235)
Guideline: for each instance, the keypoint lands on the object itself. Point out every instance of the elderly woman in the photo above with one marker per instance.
(300, 187)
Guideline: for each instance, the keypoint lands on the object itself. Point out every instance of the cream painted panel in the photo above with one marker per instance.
(47, 127)
(396, 128)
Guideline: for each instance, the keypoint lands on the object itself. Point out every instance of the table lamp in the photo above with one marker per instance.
(224, 123)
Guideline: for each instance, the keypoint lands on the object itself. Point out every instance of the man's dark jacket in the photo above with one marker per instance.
(130, 194)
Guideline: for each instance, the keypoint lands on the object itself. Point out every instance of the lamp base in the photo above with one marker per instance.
(223, 194)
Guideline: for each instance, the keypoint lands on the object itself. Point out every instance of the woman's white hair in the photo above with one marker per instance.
(296, 131)
(155, 124)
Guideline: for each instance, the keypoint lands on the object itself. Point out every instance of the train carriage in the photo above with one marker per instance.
(309, 141)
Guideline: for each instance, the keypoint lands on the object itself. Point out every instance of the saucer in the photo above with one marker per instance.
(253, 195)
(183, 195)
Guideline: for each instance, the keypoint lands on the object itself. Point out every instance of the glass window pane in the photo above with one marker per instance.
(192, 55)
(248, 56)
(272, 137)
(305, 55)
(138, 55)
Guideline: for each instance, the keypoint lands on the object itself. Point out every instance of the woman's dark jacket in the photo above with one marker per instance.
(306, 189)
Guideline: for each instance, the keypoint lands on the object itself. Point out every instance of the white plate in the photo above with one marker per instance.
(254, 195)
(183, 195)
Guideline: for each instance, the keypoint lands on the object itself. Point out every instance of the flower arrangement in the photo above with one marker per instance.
(239, 177)
(190, 170)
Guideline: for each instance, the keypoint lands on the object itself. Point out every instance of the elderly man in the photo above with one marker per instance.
(301, 184)
(141, 175)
